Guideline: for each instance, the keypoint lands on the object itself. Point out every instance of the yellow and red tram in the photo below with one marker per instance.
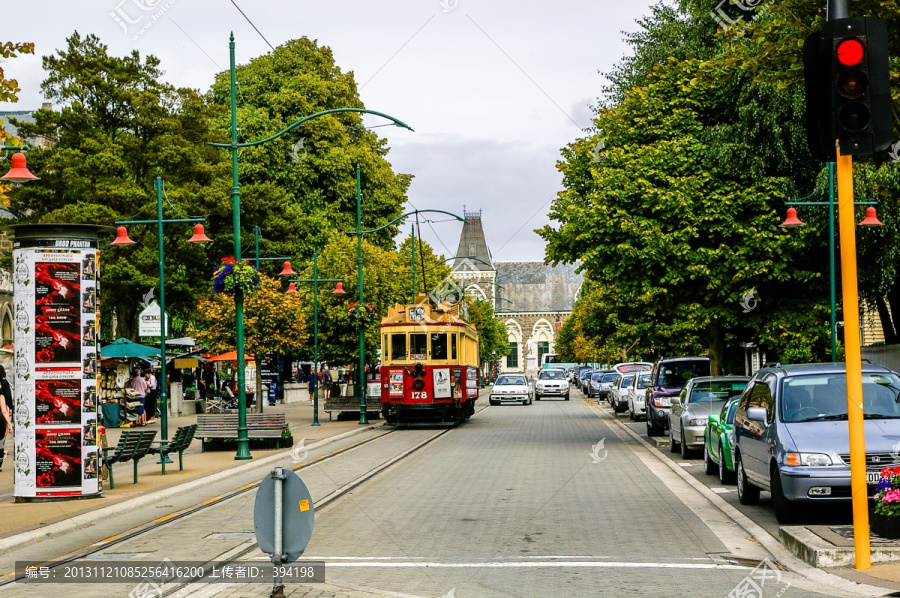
(429, 364)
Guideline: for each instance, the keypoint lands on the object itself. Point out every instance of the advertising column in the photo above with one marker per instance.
(56, 371)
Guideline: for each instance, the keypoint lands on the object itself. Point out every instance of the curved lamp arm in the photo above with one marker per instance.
(297, 123)
(398, 219)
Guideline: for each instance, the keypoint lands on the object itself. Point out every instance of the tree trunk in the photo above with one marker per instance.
(126, 311)
(716, 348)
(887, 326)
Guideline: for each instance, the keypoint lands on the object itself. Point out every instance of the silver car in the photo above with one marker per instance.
(511, 388)
(691, 408)
(551, 383)
(637, 404)
(618, 395)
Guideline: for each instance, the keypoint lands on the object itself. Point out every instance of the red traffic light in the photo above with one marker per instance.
(850, 51)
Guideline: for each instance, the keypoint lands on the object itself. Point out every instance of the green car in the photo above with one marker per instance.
(717, 445)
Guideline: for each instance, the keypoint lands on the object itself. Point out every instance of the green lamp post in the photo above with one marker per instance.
(243, 442)
(338, 290)
(198, 237)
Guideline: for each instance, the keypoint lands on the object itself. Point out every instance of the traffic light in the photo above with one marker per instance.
(847, 88)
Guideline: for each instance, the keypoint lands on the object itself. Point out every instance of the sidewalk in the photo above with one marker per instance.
(23, 517)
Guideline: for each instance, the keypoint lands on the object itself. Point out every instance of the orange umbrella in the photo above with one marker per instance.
(231, 356)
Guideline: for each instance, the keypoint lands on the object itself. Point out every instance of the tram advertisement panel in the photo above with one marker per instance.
(55, 284)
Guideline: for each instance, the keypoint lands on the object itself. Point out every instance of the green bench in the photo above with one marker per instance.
(224, 425)
(182, 439)
(133, 446)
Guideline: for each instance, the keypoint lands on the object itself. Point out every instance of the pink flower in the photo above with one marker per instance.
(891, 496)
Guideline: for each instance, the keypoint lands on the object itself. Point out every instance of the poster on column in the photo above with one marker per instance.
(56, 366)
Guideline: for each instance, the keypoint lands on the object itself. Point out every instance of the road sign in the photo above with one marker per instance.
(150, 323)
(296, 515)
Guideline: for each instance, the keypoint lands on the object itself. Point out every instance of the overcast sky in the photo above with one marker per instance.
(493, 88)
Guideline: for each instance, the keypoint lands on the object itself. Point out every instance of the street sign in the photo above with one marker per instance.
(296, 513)
(150, 321)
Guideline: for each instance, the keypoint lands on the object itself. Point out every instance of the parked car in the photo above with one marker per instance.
(791, 436)
(667, 379)
(605, 385)
(577, 373)
(594, 382)
(637, 405)
(691, 408)
(632, 366)
(511, 388)
(584, 380)
(718, 441)
(551, 383)
(619, 393)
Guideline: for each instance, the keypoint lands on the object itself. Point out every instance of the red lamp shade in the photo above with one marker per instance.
(199, 235)
(871, 219)
(292, 288)
(339, 289)
(122, 237)
(287, 271)
(18, 173)
(791, 220)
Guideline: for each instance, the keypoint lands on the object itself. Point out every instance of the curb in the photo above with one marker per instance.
(86, 519)
(766, 540)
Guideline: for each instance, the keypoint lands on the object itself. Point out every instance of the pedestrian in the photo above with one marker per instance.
(313, 381)
(327, 381)
(152, 394)
(189, 382)
(6, 411)
(139, 385)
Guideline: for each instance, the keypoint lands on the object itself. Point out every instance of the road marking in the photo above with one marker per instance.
(686, 464)
(209, 500)
(721, 490)
(535, 564)
(165, 517)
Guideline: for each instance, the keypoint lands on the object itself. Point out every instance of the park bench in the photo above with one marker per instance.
(340, 404)
(178, 444)
(133, 446)
(224, 425)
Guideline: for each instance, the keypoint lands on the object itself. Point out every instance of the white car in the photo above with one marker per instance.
(618, 394)
(637, 405)
(551, 383)
(511, 388)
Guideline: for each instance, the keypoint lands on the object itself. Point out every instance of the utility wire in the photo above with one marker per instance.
(252, 25)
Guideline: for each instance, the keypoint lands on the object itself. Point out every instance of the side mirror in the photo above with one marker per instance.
(757, 414)
(714, 419)
(676, 401)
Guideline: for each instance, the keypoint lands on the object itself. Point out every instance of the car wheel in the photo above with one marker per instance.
(529, 400)
(785, 511)
(492, 402)
(748, 494)
(708, 466)
(652, 430)
(726, 476)
(537, 398)
(673, 446)
(685, 451)
(567, 396)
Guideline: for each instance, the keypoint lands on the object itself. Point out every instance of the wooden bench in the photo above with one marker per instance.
(133, 446)
(224, 425)
(340, 404)
(181, 441)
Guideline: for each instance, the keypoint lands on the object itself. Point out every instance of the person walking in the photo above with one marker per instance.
(6, 413)
(152, 395)
(327, 381)
(139, 385)
(312, 379)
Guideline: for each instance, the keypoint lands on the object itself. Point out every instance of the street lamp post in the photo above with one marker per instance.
(198, 237)
(792, 221)
(338, 290)
(243, 442)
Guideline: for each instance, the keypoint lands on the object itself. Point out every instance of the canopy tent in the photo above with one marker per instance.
(123, 347)
(230, 356)
(181, 342)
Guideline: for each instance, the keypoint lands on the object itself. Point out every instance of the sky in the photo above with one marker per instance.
(494, 89)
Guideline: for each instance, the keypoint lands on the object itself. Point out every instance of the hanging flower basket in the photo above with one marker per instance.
(884, 518)
(360, 316)
(232, 275)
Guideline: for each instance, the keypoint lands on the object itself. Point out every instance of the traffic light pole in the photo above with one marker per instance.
(837, 9)
(853, 355)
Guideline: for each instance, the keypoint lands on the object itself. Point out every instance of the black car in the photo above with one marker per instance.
(667, 379)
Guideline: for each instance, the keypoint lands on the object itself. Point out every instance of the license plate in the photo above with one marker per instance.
(872, 477)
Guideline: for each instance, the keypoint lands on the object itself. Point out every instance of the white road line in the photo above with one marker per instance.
(536, 564)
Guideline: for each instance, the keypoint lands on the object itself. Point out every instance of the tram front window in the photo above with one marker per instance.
(418, 346)
(398, 347)
(439, 346)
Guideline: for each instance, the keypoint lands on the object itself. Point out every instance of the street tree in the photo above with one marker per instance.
(9, 90)
(432, 272)
(493, 342)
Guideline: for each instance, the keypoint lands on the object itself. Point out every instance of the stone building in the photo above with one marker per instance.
(532, 299)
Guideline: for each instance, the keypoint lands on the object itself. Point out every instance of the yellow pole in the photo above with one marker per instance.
(853, 358)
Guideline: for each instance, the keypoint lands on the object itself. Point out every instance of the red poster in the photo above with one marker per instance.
(58, 460)
(57, 284)
(57, 401)
(57, 339)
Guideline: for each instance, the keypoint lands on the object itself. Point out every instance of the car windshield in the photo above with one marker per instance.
(609, 377)
(824, 397)
(596, 376)
(510, 380)
(644, 381)
(676, 374)
(626, 381)
(552, 375)
(715, 390)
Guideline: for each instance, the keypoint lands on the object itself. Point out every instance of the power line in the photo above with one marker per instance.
(252, 25)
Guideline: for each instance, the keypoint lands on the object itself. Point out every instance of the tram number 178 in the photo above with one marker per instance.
(419, 394)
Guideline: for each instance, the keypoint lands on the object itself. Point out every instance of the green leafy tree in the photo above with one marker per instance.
(493, 342)
(9, 89)
(431, 270)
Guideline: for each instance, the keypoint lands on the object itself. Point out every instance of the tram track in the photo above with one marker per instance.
(166, 520)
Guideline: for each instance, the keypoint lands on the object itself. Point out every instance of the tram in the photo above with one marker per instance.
(429, 364)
